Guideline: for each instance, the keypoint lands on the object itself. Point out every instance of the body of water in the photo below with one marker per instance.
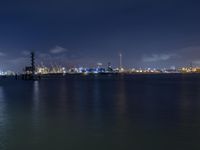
(126, 112)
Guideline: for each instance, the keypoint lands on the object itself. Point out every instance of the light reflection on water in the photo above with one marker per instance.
(36, 101)
(3, 120)
(2, 108)
(121, 112)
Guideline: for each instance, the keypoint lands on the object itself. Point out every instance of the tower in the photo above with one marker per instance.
(120, 61)
(109, 69)
(33, 63)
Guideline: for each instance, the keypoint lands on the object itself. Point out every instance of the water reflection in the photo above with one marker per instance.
(3, 119)
(36, 103)
(62, 97)
(96, 96)
(2, 108)
(189, 110)
(121, 96)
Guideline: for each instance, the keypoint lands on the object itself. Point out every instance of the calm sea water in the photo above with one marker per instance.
(137, 112)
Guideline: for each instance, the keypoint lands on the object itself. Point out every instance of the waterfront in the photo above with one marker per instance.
(101, 112)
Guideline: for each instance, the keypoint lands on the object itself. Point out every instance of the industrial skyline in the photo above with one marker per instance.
(33, 69)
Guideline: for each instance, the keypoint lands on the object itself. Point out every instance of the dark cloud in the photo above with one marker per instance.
(58, 50)
(158, 57)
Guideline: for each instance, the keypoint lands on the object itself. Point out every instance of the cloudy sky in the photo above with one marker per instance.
(149, 33)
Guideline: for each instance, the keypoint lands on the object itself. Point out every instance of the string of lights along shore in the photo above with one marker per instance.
(35, 69)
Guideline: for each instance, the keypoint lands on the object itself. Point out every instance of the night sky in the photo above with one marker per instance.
(148, 33)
